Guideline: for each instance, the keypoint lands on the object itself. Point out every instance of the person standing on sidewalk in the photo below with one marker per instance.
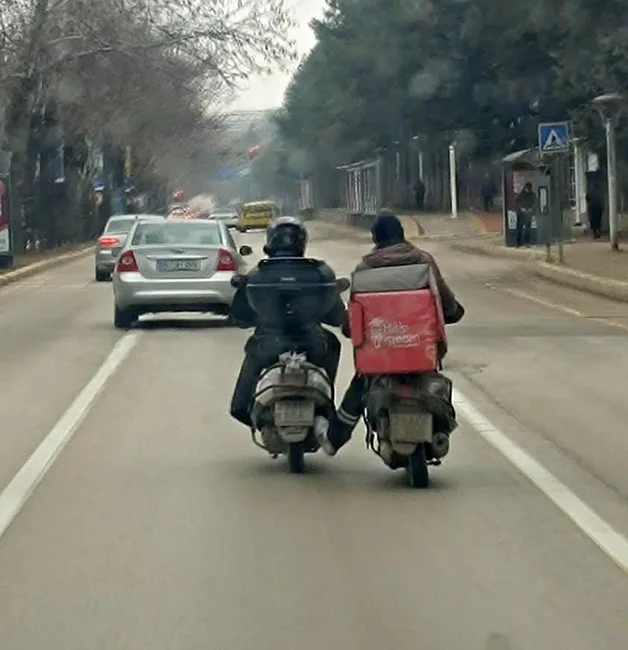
(595, 210)
(526, 204)
(488, 192)
(419, 194)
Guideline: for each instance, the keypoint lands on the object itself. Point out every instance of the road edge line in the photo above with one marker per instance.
(21, 487)
(611, 542)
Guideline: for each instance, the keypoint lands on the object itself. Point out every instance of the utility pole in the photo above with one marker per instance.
(609, 107)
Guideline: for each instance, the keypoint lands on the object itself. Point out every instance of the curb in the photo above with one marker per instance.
(411, 225)
(561, 275)
(422, 236)
(526, 255)
(587, 282)
(44, 265)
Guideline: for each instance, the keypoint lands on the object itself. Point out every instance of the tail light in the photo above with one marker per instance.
(127, 263)
(225, 261)
(108, 242)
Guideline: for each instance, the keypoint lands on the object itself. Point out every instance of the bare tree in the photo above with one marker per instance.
(147, 73)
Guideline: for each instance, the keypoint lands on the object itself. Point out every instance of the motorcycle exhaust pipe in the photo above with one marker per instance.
(440, 444)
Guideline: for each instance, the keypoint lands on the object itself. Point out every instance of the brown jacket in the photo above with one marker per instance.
(404, 254)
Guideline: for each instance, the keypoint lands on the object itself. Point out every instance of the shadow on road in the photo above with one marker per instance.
(165, 323)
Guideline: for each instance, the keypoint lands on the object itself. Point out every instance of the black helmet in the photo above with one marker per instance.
(287, 237)
(387, 230)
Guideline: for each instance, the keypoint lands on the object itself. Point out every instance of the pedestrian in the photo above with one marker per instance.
(526, 205)
(595, 210)
(419, 194)
(488, 192)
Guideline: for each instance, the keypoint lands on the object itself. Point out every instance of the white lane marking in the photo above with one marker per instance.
(18, 491)
(589, 522)
(562, 308)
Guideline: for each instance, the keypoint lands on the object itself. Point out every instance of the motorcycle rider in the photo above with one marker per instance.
(285, 237)
(391, 249)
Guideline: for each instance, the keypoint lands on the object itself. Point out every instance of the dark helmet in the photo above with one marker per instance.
(286, 236)
(387, 230)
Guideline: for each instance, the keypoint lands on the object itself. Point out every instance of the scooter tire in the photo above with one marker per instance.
(418, 472)
(296, 458)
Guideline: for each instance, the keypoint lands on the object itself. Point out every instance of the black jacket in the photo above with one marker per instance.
(245, 317)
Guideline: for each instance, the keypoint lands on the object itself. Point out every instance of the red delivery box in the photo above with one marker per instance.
(396, 320)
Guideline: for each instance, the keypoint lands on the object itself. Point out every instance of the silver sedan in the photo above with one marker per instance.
(111, 241)
(177, 265)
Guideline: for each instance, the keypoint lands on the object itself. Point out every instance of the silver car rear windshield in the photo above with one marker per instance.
(120, 225)
(192, 233)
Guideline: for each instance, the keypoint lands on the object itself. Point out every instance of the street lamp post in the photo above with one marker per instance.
(609, 107)
(453, 185)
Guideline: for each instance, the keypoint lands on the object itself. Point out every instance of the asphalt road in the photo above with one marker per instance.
(161, 526)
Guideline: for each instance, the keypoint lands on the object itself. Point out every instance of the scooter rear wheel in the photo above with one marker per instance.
(296, 458)
(418, 473)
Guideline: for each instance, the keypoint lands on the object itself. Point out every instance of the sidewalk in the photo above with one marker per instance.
(589, 265)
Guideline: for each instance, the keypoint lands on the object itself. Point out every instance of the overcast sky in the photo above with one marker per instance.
(267, 92)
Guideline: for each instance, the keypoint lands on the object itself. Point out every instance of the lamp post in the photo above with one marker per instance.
(416, 139)
(609, 107)
(453, 185)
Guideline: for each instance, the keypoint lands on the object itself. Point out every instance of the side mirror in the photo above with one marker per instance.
(237, 281)
(343, 284)
(246, 250)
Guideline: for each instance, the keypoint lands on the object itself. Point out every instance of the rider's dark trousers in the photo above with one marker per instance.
(262, 351)
(349, 412)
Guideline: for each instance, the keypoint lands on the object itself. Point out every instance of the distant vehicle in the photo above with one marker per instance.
(182, 212)
(111, 241)
(176, 265)
(257, 214)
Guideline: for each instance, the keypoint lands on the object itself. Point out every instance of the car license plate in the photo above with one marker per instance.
(178, 265)
(293, 413)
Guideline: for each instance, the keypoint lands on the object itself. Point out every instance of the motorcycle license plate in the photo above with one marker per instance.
(410, 426)
(294, 413)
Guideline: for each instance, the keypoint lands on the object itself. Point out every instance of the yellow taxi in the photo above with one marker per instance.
(257, 214)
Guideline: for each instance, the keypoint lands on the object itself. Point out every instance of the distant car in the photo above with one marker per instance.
(177, 265)
(111, 241)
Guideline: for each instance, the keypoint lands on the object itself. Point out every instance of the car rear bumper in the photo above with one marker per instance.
(132, 290)
(105, 261)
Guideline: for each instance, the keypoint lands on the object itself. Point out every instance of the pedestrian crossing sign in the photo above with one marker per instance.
(554, 137)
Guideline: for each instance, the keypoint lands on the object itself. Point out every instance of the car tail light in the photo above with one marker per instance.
(108, 242)
(127, 263)
(225, 261)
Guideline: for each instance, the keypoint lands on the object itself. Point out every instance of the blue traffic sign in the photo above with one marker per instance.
(229, 173)
(554, 137)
